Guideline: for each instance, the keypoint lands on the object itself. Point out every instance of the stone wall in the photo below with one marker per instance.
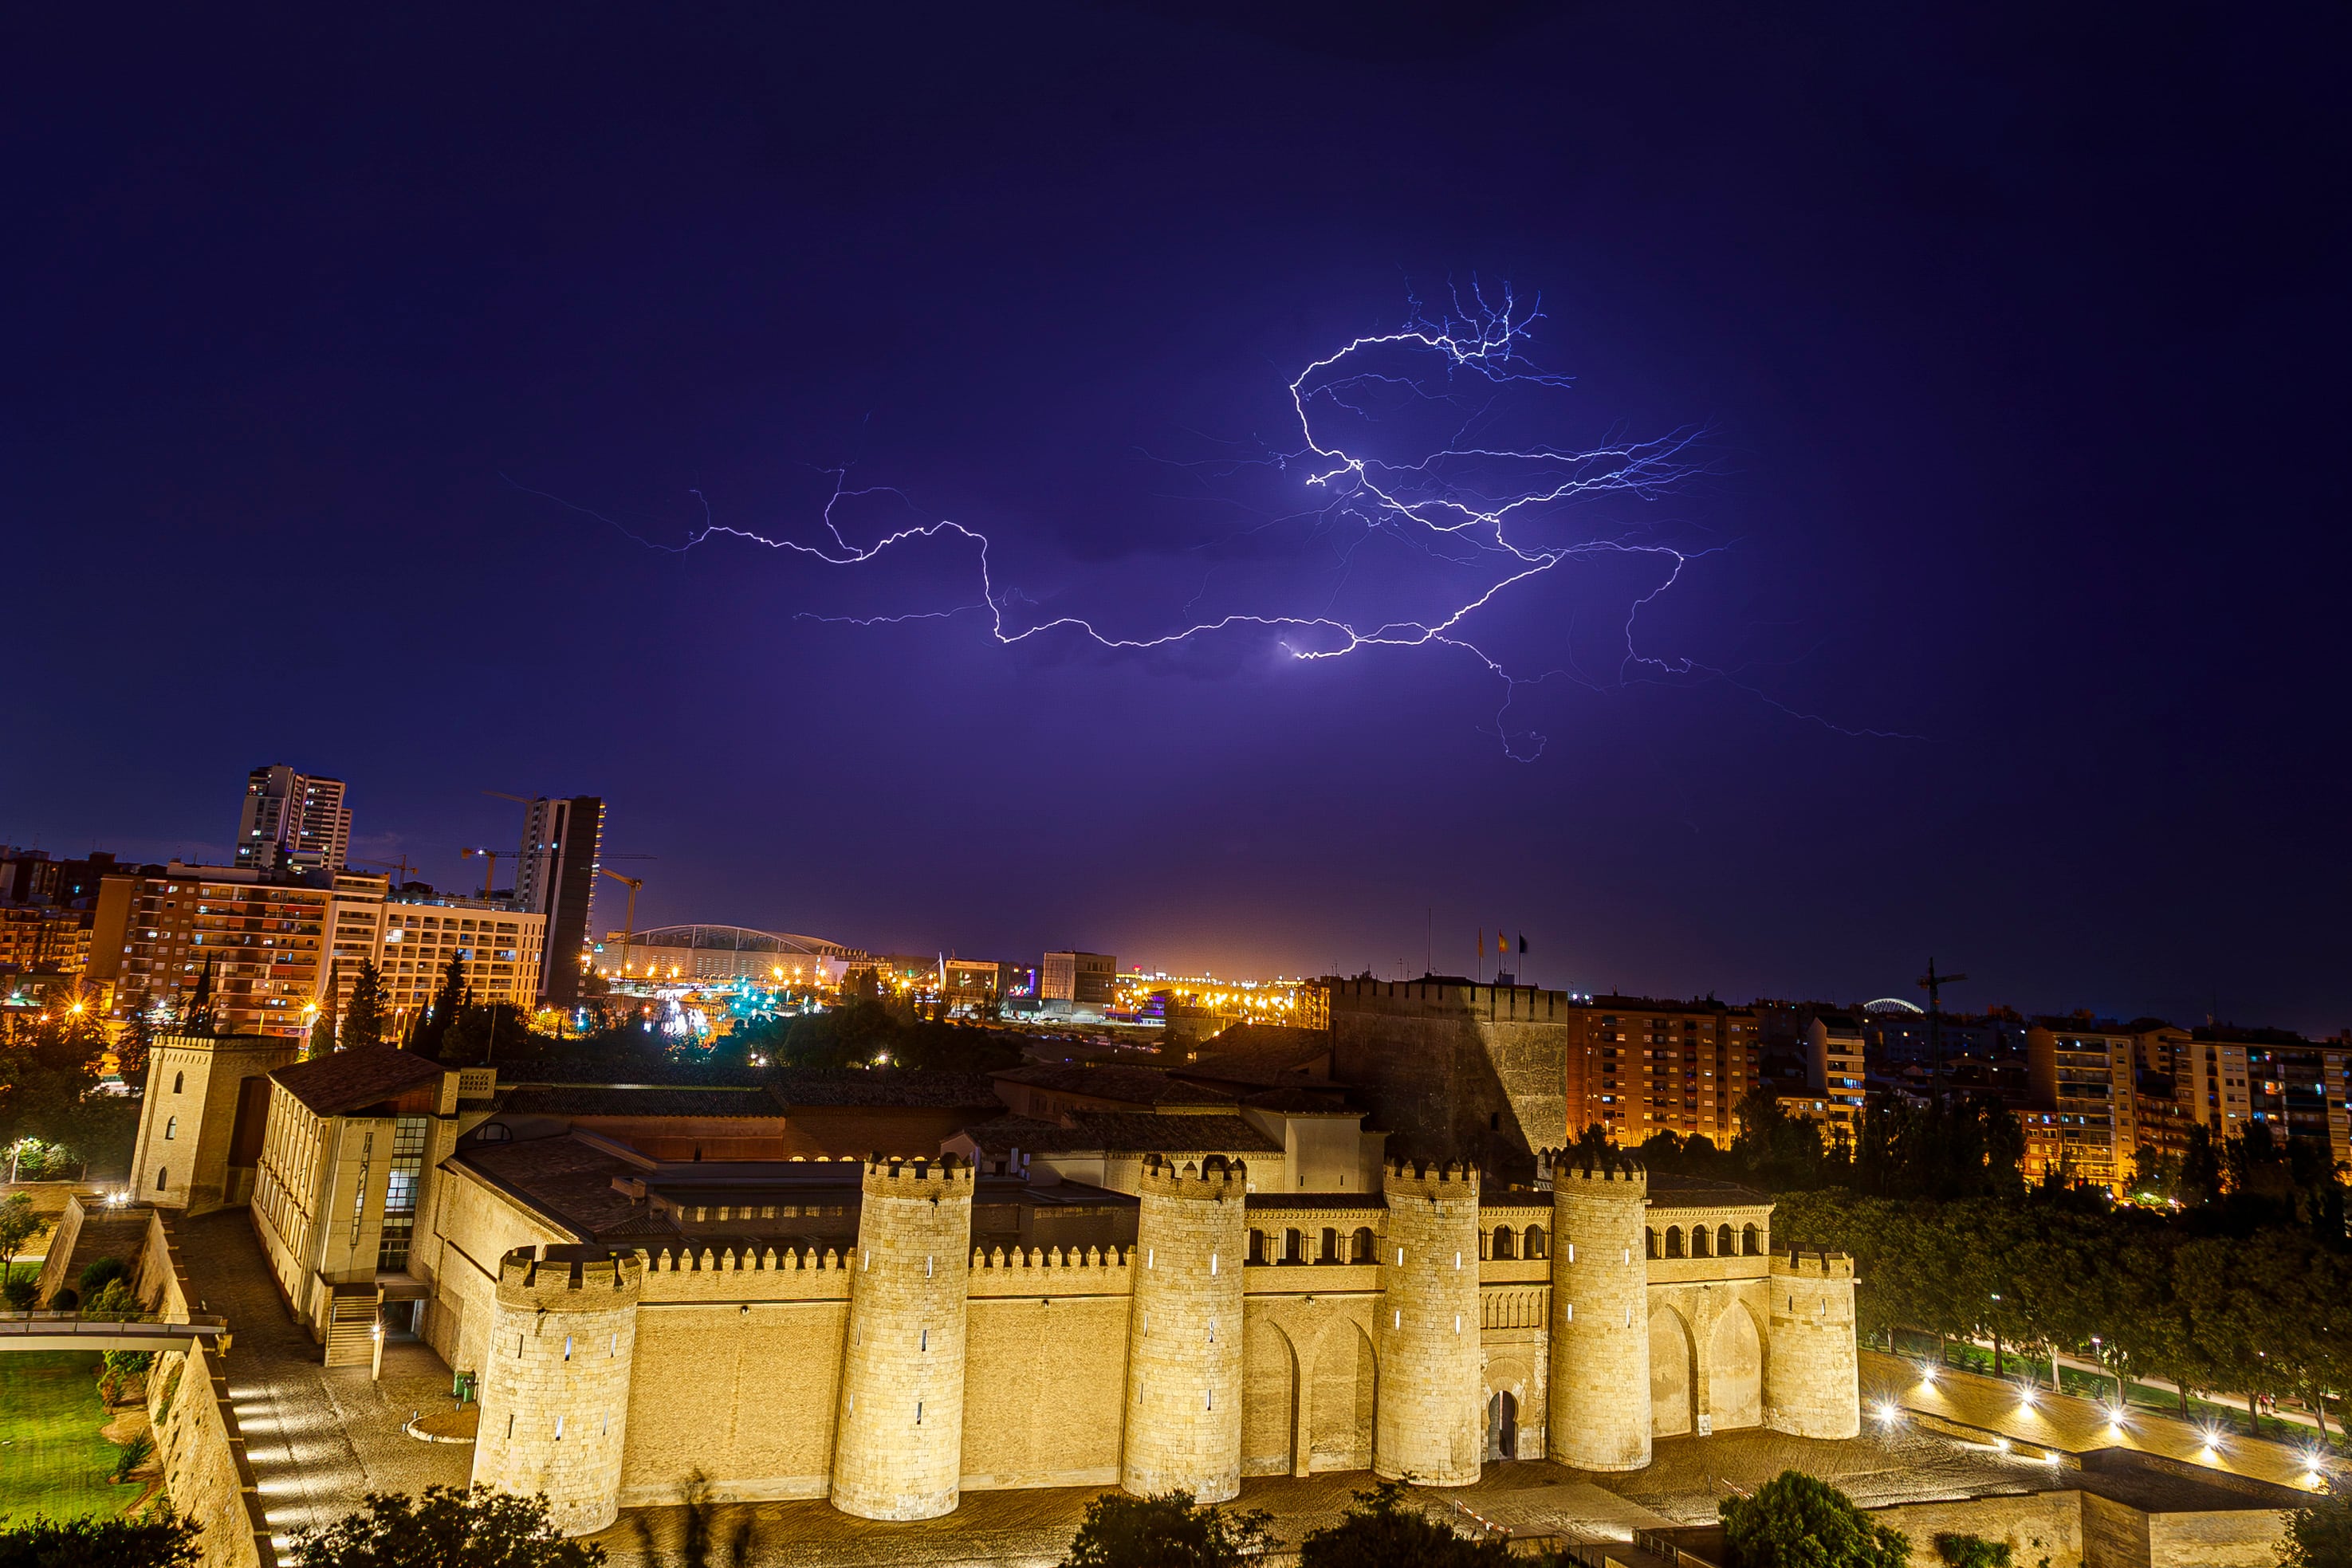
(2035, 1525)
(1457, 1070)
(88, 1230)
(1600, 1412)
(1432, 1413)
(556, 1380)
(206, 1474)
(1810, 1372)
(460, 1238)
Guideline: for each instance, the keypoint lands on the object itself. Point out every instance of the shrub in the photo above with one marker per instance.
(65, 1301)
(155, 1542)
(101, 1271)
(115, 1303)
(20, 1294)
(2319, 1535)
(134, 1454)
(449, 1527)
(1379, 1533)
(1971, 1550)
(1796, 1522)
(1165, 1532)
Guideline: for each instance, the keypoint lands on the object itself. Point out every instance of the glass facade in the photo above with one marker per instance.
(407, 1173)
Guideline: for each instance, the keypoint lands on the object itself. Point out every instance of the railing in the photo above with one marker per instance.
(49, 1325)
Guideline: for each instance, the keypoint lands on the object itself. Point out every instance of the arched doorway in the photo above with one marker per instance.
(1503, 1428)
(1670, 1374)
(1344, 1380)
(1735, 1371)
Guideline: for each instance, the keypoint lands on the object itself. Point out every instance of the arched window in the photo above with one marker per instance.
(1698, 1240)
(1258, 1246)
(1506, 1242)
(171, 1128)
(179, 1080)
(1725, 1244)
(1652, 1235)
(1673, 1241)
(1534, 1247)
(162, 1178)
(1290, 1246)
(1748, 1245)
(1359, 1245)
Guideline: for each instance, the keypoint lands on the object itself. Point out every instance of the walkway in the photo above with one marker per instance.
(319, 1436)
(71, 1330)
(2066, 1423)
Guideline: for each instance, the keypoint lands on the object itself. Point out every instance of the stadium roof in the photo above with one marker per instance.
(733, 940)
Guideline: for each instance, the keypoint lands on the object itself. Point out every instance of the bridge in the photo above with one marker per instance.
(71, 1330)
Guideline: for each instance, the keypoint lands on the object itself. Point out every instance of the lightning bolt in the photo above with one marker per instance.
(1465, 505)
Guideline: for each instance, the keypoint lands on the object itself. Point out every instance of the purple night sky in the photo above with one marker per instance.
(2015, 337)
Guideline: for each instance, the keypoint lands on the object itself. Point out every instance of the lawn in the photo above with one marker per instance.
(52, 1459)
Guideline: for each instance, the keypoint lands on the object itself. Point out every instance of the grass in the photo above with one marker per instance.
(52, 1459)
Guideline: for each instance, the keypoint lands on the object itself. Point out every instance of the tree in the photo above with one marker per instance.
(1165, 1531)
(322, 1028)
(1380, 1531)
(364, 1025)
(157, 1542)
(197, 1017)
(18, 1226)
(449, 1527)
(449, 1004)
(2319, 1533)
(1796, 1522)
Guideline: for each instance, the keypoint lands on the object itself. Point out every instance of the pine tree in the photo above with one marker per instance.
(364, 1025)
(322, 1028)
(449, 1007)
(197, 1017)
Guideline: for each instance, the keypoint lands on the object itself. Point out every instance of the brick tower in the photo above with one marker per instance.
(1185, 1339)
(898, 1447)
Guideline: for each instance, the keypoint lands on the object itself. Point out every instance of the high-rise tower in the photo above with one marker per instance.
(555, 877)
(292, 821)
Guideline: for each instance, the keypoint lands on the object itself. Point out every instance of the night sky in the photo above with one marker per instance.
(2018, 341)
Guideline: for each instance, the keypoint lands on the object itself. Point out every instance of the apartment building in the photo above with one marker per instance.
(1080, 980)
(1637, 1066)
(410, 937)
(2081, 1116)
(262, 937)
(50, 941)
(555, 879)
(1833, 1074)
(292, 821)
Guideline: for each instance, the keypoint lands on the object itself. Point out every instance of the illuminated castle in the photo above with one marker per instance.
(1428, 1329)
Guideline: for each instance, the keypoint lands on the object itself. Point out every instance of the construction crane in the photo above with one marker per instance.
(628, 921)
(400, 865)
(490, 873)
(1934, 983)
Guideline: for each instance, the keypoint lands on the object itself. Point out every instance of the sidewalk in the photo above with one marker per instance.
(2067, 1423)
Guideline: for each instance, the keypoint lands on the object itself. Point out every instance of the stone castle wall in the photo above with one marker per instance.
(1457, 1070)
(1097, 1367)
(556, 1380)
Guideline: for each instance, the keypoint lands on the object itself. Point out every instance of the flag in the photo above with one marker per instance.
(1502, 947)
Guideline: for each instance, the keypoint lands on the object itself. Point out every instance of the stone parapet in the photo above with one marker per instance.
(722, 1274)
(1429, 1182)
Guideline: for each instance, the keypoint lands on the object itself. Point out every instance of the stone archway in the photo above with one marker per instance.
(1343, 1389)
(1509, 1383)
(1269, 1399)
(1735, 1371)
(1673, 1410)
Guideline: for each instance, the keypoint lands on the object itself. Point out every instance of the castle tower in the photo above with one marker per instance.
(1184, 1340)
(1599, 1402)
(555, 1380)
(1812, 1388)
(1431, 1424)
(899, 1444)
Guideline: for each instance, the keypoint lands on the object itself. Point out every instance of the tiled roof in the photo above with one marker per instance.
(1671, 1191)
(856, 1086)
(1133, 1085)
(1300, 1102)
(343, 1082)
(585, 1100)
(1135, 1132)
(564, 1180)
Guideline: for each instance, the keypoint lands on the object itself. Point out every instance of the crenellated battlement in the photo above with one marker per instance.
(569, 1277)
(1046, 1257)
(1451, 1182)
(1615, 1173)
(1802, 1262)
(1214, 1179)
(727, 1261)
(933, 1178)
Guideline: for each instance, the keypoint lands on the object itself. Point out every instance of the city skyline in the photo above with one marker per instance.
(1969, 465)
